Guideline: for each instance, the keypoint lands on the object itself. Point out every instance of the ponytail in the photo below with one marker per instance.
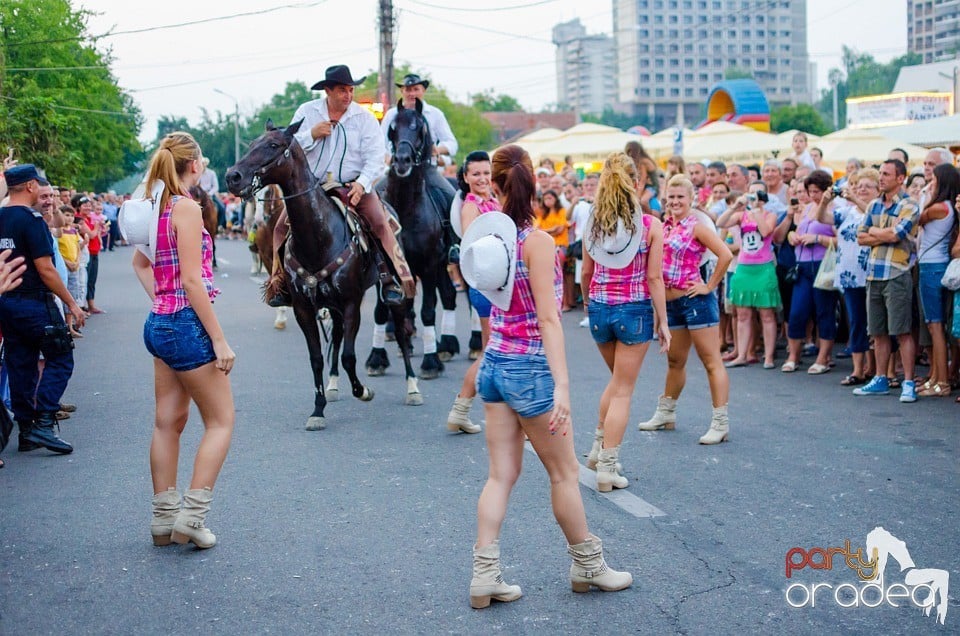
(170, 161)
(513, 176)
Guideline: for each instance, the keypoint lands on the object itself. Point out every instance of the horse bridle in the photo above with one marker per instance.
(256, 182)
(417, 152)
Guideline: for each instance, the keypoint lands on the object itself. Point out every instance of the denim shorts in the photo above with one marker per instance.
(521, 381)
(629, 323)
(933, 295)
(480, 303)
(178, 339)
(698, 312)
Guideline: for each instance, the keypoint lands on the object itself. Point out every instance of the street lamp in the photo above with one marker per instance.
(236, 125)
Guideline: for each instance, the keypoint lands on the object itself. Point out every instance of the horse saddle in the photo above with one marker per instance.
(359, 229)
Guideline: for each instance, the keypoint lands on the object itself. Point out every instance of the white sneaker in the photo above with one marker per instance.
(585, 322)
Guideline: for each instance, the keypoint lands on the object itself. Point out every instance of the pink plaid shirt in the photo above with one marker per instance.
(169, 295)
(517, 330)
(490, 205)
(681, 252)
(628, 284)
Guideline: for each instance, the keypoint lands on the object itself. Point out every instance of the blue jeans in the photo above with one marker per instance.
(809, 301)
(32, 325)
(933, 296)
(629, 323)
(698, 312)
(855, 299)
(178, 339)
(522, 381)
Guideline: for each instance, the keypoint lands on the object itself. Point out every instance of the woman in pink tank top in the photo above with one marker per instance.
(191, 356)
(693, 311)
(623, 271)
(524, 385)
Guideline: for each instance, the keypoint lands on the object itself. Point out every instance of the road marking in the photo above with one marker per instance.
(624, 499)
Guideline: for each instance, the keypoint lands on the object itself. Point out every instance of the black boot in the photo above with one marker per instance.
(25, 444)
(43, 434)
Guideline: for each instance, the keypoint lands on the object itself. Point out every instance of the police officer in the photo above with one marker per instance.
(29, 318)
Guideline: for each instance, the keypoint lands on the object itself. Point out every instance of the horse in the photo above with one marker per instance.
(424, 240)
(326, 265)
(209, 209)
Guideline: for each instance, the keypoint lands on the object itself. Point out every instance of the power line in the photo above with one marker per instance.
(484, 9)
(75, 109)
(298, 5)
(476, 28)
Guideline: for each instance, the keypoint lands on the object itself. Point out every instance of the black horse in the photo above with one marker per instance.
(425, 239)
(326, 266)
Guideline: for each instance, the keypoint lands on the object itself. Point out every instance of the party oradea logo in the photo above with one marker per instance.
(923, 588)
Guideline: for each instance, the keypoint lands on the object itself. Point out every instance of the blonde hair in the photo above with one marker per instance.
(616, 198)
(867, 173)
(681, 181)
(170, 161)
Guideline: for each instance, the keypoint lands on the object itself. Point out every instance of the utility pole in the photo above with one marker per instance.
(385, 85)
(236, 125)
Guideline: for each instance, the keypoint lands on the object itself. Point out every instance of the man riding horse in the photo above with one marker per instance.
(342, 143)
(445, 144)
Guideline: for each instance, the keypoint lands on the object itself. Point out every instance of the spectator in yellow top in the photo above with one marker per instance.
(551, 217)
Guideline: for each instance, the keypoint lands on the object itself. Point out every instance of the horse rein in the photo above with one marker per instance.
(256, 183)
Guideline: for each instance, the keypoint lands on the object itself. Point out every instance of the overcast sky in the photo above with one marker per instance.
(465, 46)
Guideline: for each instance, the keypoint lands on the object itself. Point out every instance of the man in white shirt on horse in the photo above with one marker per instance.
(342, 143)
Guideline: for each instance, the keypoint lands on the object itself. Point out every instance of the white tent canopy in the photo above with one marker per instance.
(942, 131)
(865, 144)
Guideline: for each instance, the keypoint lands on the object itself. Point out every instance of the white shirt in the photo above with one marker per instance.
(209, 182)
(439, 128)
(352, 152)
(579, 216)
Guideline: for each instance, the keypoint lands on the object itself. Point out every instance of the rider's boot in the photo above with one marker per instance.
(385, 228)
(276, 290)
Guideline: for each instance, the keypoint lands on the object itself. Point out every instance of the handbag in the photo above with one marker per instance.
(827, 273)
(951, 277)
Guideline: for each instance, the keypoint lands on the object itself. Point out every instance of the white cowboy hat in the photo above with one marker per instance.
(488, 257)
(139, 218)
(615, 251)
(456, 208)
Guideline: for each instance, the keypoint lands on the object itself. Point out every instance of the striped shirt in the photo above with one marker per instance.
(681, 252)
(516, 330)
(890, 260)
(169, 295)
(628, 284)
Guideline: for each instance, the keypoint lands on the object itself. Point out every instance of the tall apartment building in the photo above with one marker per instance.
(671, 52)
(586, 68)
(933, 29)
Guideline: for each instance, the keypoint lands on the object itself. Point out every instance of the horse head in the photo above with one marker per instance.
(270, 159)
(410, 136)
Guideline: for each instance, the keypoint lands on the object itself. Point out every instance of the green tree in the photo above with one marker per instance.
(861, 75)
(76, 123)
(616, 119)
(800, 117)
(487, 102)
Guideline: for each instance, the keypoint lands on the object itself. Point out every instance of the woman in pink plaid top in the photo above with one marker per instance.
(525, 389)
(622, 269)
(693, 311)
(191, 356)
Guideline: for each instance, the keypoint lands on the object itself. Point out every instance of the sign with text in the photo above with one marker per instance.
(899, 108)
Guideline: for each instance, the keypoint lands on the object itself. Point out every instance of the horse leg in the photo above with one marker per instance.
(306, 317)
(476, 334)
(449, 345)
(336, 339)
(431, 367)
(351, 325)
(280, 320)
(413, 397)
(377, 361)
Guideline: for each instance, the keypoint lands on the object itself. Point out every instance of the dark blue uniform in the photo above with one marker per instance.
(31, 323)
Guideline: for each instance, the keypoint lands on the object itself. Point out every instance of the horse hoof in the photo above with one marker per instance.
(414, 399)
(280, 325)
(315, 423)
(376, 372)
(332, 395)
(445, 356)
(367, 394)
(473, 355)
(429, 374)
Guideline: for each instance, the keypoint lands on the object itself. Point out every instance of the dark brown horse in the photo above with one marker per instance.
(411, 185)
(262, 246)
(325, 265)
(209, 210)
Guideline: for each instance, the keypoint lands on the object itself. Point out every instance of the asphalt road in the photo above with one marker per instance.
(367, 526)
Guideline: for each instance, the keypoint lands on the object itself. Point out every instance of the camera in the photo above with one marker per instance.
(837, 191)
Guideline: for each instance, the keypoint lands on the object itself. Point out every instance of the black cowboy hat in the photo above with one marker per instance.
(338, 75)
(412, 79)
